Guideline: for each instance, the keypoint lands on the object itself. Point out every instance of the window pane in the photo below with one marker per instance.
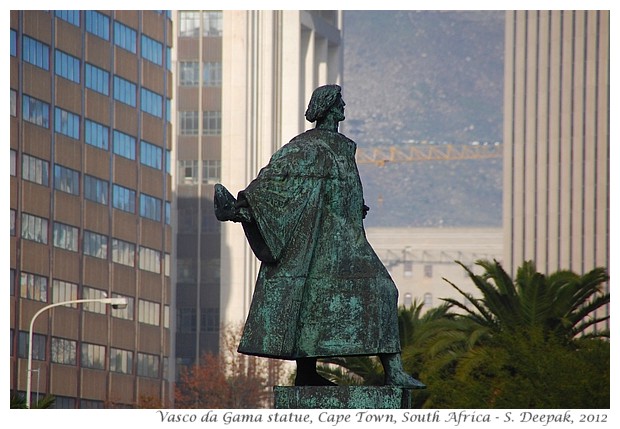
(95, 189)
(124, 145)
(98, 24)
(66, 180)
(123, 198)
(97, 79)
(64, 351)
(66, 237)
(33, 286)
(125, 37)
(95, 245)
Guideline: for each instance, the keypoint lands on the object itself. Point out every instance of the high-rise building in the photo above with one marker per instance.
(272, 61)
(556, 138)
(91, 204)
(197, 62)
(244, 79)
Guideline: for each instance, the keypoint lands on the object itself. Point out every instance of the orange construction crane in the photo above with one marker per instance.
(443, 152)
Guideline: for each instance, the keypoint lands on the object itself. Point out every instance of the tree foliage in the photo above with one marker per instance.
(229, 379)
(526, 342)
(19, 401)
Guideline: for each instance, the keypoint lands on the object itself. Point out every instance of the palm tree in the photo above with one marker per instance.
(520, 342)
(19, 401)
(560, 304)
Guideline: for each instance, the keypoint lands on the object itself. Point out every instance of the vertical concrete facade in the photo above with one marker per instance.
(556, 134)
(272, 61)
(248, 70)
(90, 204)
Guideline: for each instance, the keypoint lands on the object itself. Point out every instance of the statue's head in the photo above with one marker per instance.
(322, 100)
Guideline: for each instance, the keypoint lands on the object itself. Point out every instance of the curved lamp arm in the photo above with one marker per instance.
(117, 302)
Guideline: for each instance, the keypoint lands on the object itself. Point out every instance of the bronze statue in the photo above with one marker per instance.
(321, 290)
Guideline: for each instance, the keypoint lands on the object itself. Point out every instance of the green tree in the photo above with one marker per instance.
(561, 304)
(19, 401)
(524, 344)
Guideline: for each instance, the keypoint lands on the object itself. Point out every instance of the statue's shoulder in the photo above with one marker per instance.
(316, 139)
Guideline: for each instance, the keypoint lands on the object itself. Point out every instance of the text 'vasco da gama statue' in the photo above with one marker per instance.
(321, 290)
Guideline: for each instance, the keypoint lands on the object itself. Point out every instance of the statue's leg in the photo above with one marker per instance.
(307, 375)
(395, 374)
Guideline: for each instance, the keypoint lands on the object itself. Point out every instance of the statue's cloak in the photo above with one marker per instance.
(321, 290)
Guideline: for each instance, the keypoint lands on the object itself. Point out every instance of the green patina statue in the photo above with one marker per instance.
(321, 290)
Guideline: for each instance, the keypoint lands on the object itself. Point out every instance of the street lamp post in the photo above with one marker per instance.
(115, 302)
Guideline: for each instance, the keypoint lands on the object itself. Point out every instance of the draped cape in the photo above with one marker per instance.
(321, 289)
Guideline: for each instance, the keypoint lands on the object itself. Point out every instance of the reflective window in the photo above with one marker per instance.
(98, 24)
(123, 252)
(66, 180)
(188, 73)
(35, 170)
(124, 91)
(67, 123)
(97, 135)
(124, 145)
(121, 361)
(152, 50)
(212, 23)
(148, 312)
(97, 79)
(189, 23)
(33, 286)
(151, 102)
(93, 356)
(150, 260)
(150, 155)
(67, 66)
(188, 123)
(64, 351)
(38, 345)
(13, 43)
(125, 37)
(123, 198)
(211, 170)
(66, 236)
(13, 102)
(71, 16)
(148, 365)
(188, 172)
(35, 52)
(34, 228)
(95, 189)
(211, 123)
(123, 313)
(64, 291)
(95, 245)
(92, 293)
(35, 111)
(13, 162)
(212, 74)
(150, 207)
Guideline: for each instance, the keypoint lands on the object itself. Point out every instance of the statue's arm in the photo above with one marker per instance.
(227, 208)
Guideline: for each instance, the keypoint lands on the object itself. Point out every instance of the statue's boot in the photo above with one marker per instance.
(395, 374)
(307, 375)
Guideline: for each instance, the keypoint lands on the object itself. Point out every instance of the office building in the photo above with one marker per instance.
(421, 261)
(556, 138)
(243, 82)
(91, 205)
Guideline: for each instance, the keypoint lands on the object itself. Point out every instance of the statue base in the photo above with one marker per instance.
(342, 397)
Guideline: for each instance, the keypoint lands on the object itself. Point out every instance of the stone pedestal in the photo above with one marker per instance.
(342, 397)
